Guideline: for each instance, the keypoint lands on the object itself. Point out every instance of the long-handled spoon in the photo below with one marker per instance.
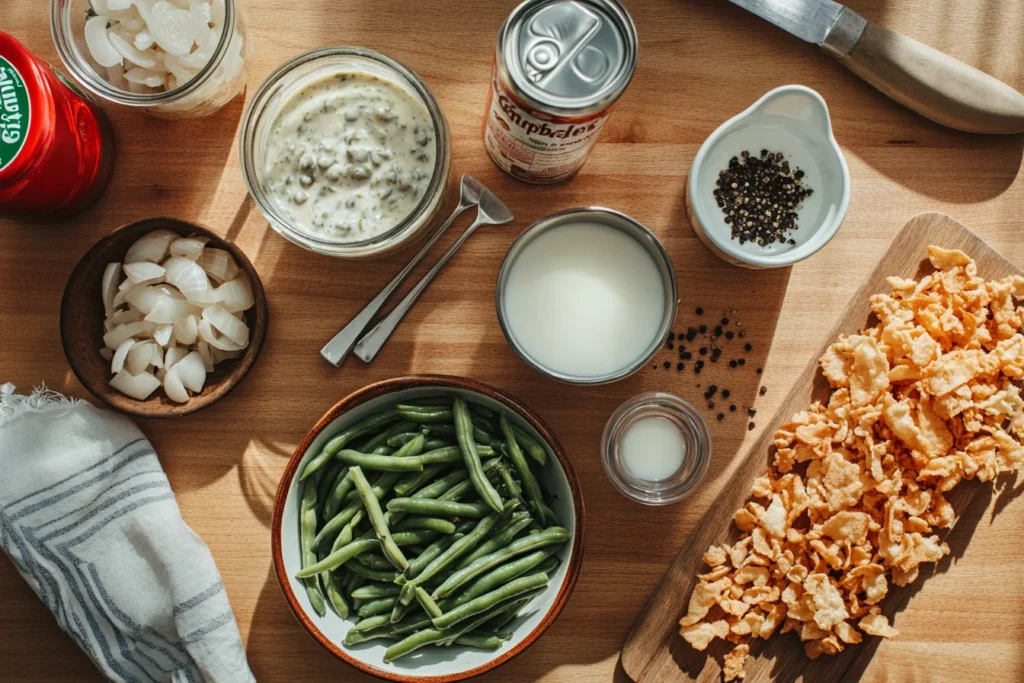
(490, 212)
(341, 345)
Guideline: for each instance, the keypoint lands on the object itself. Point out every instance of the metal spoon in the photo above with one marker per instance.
(490, 212)
(341, 345)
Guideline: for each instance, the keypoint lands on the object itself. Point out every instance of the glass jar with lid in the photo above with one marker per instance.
(209, 72)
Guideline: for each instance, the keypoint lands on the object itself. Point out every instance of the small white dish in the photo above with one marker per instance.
(793, 120)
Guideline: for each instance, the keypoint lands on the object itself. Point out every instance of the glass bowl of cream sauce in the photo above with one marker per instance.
(346, 152)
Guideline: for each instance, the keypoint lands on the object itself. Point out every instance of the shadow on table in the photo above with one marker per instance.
(280, 649)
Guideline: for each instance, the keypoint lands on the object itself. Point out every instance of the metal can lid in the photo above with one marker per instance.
(574, 56)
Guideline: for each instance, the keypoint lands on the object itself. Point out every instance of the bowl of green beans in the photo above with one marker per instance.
(428, 529)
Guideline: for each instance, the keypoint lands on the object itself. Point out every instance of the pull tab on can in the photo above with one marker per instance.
(559, 68)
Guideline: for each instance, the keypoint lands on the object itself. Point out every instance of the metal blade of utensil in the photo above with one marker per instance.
(919, 77)
(809, 20)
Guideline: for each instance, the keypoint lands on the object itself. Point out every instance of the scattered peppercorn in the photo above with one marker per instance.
(667, 365)
(671, 336)
(721, 416)
(680, 367)
(763, 391)
(699, 311)
(750, 426)
(711, 405)
(742, 361)
(760, 370)
(703, 350)
(748, 347)
(732, 409)
(725, 393)
(703, 329)
(751, 412)
(671, 345)
(732, 364)
(725, 321)
(760, 197)
(729, 335)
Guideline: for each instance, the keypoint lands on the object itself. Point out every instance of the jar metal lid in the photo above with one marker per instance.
(574, 56)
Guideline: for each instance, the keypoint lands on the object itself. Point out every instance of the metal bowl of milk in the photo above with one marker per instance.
(586, 296)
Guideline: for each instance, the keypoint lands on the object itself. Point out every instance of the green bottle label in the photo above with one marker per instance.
(15, 115)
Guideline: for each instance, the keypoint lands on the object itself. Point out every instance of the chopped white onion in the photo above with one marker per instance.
(235, 295)
(144, 297)
(227, 324)
(140, 357)
(116, 336)
(146, 77)
(167, 311)
(188, 247)
(173, 387)
(147, 59)
(173, 355)
(169, 290)
(187, 275)
(119, 4)
(162, 334)
(144, 272)
(166, 315)
(124, 316)
(117, 363)
(186, 330)
(218, 264)
(171, 27)
(207, 355)
(110, 276)
(150, 247)
(143, 40)
(98, 42)
(211, 337)
(138, 387)
(192, 371)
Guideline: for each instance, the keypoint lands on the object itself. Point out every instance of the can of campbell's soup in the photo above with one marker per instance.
(559, 68)
(56, 144)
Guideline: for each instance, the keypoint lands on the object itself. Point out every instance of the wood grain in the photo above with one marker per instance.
(941, 88)
(700, 62)
(654, 651)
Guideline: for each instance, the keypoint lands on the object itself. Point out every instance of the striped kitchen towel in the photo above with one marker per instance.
(89, 519)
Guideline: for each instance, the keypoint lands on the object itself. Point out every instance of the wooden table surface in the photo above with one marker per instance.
(701, 61)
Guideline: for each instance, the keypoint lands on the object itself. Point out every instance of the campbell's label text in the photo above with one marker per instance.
(533, 149)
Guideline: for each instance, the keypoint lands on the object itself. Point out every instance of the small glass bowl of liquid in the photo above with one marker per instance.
(656, 449)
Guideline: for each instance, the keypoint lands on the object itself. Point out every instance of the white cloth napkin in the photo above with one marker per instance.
(89, 519)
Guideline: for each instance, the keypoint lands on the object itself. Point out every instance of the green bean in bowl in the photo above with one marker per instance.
(428, 528)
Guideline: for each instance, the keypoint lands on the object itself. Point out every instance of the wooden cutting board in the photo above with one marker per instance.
(654, 651)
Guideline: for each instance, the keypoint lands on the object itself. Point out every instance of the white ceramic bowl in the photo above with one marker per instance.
(430, 664)
(793, 120)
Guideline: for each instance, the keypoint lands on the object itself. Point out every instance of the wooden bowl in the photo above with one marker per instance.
(81, 323)
(428, 665)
